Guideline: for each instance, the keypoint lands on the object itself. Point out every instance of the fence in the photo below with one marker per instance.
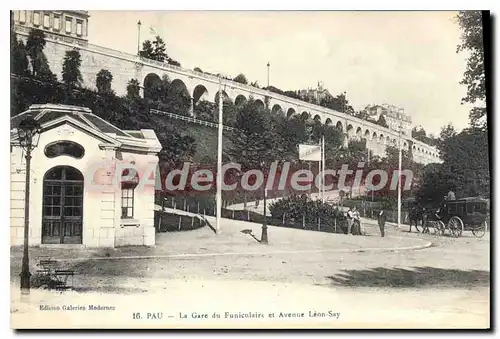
(191, 119)
(206, 207)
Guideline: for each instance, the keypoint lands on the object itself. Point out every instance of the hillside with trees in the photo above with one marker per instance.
(260, 137)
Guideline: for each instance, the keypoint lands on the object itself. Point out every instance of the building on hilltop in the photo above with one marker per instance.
(314, 95)
(70, 26)
(395, 117)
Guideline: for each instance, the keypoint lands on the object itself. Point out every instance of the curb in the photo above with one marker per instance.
(427, 244)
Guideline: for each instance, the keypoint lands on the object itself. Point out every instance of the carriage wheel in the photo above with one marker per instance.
(440, 227)
(479, 231)
(456, 226)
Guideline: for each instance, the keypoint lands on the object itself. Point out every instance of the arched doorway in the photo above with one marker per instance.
(62, 216)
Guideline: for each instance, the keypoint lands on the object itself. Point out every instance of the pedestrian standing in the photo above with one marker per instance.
(357, 221)
(381, 222)
(350, 221)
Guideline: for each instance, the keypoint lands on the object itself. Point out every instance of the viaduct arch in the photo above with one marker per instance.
(201, 86)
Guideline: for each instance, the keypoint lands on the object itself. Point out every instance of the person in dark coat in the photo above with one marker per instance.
(381, 222)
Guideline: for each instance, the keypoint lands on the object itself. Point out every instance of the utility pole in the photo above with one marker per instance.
(322, 168)
(399, 179)
(368, 162)
(219, 161)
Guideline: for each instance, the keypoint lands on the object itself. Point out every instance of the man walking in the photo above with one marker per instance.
(381, 222)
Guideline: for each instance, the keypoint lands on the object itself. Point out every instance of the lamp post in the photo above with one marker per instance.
(263, 238)
(138, 36)
(346, 140)
(268, 71)
(28, 132)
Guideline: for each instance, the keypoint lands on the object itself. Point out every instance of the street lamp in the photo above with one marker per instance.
(28, 133)
(263, 238)
(138, 36)
(268, 70)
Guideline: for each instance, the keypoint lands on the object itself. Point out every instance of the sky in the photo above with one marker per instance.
(407, 59)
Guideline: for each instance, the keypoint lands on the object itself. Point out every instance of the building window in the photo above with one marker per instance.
(36, 18)
(127, 201)
(46, 20)
(69, 23)
(57, 22)
(79, 25)
(130, 180)
(64, 147)
(16, 15)
(22, 17)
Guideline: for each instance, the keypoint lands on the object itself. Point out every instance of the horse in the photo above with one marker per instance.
(416, 216)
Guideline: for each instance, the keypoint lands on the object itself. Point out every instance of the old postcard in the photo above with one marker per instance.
(267, 169)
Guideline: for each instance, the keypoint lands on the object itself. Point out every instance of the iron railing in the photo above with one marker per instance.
(191, 119)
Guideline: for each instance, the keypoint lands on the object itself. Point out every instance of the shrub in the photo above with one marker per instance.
(302, 212)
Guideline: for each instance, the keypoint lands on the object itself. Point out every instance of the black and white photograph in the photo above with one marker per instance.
(250, 169)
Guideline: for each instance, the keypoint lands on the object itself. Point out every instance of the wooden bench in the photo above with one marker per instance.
(62, 277)
(57, 278)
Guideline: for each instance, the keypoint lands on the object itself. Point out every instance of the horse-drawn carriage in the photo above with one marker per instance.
(455, 217)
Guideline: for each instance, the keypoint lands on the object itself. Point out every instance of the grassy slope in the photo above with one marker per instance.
(205, 136)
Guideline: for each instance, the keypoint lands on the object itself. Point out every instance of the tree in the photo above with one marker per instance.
(34, 47)
(292, 132)
(273, 89)
(255, 84)
(175, 97)
(444, 145)
(364, 115)
(338, 103)
(205, 110)
(147, 50)
(174, 62)
(433, 186)
(19, 58)
(159, 50)
(390, 164)
(197, 69)
(133, 89)
(254, 143)
(465, 168)
(241, 78)
(176, 148)
(39, 64)
(291, 94)
(44, 72)
(229, 112)
(471, 24)
(103, 81)
(72, 77)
